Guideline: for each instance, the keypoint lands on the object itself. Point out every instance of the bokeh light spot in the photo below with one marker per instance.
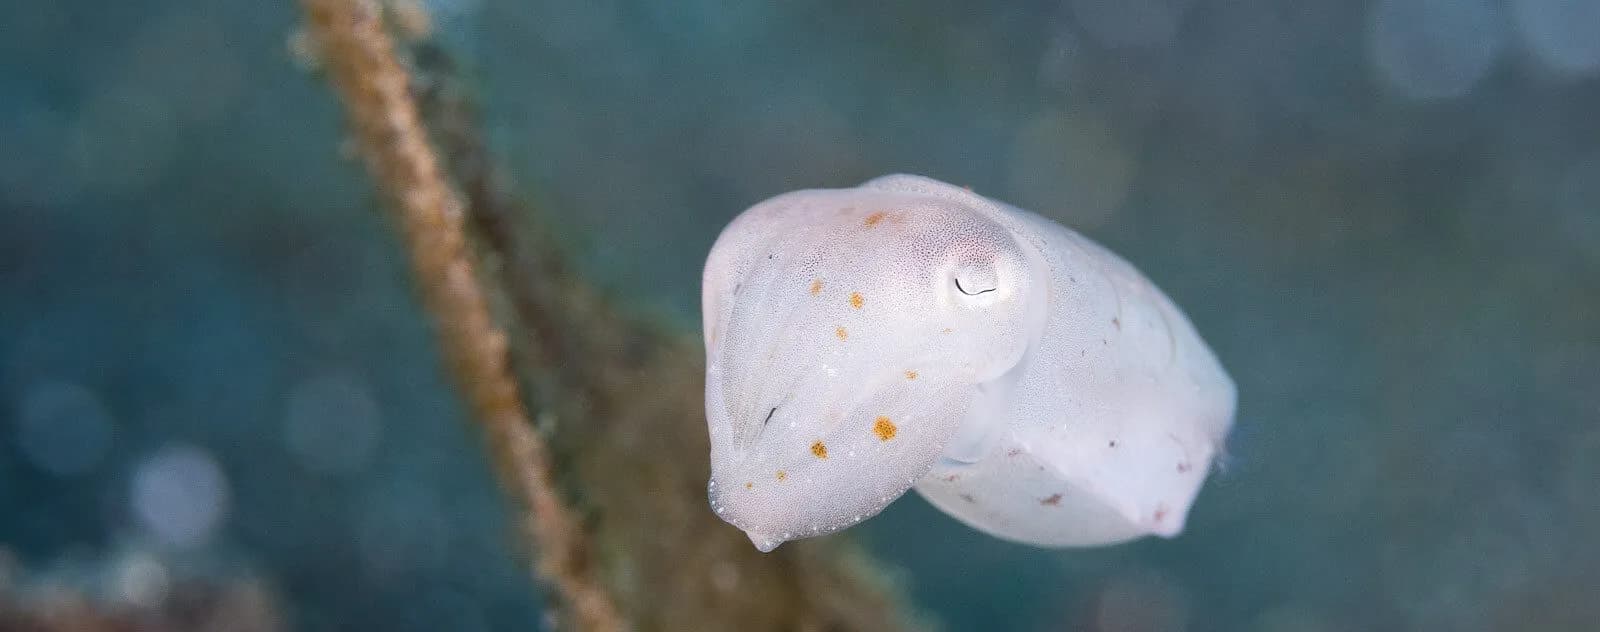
(1564, 34)
(331, 424)
(1072, 167)
(180, 495)
(63, 429)
(1435, 49)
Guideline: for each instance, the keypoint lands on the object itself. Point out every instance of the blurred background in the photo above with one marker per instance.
(1384, 216)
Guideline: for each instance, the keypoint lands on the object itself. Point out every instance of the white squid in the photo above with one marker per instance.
(909, 333)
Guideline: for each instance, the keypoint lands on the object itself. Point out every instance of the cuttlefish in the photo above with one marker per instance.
(909, 333)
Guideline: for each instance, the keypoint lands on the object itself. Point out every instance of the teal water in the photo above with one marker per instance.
(1384, 217)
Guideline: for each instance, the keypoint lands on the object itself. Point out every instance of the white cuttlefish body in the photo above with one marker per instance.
(909, 333)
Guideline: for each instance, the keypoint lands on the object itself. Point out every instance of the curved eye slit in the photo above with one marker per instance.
(974, 277)
(972, 293)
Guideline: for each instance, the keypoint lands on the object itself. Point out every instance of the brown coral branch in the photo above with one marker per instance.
(361, 62)
(631, 453)
(635, 443)
(550, 303)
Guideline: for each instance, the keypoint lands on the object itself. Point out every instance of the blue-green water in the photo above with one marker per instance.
(1384, 216)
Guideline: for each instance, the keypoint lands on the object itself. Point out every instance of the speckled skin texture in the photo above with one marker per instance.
(907, 332)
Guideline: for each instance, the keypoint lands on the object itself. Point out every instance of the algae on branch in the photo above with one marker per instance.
(610, 485)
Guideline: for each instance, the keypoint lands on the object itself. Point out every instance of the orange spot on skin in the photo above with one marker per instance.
(816, 287)
(884, 428)
(911, 375)
(873, 219)
(749, 485)
(1054, 500)
(841, 333)
(819, 449)
(782, 475)
(947, 330)
(855, 300)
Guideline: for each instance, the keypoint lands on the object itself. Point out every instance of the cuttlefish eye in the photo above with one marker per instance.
(973, 280)
(984, 274)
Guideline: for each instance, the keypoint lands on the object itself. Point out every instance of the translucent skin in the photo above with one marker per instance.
(910, 333)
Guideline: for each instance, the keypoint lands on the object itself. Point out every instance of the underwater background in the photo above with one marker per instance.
(1383, 216)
